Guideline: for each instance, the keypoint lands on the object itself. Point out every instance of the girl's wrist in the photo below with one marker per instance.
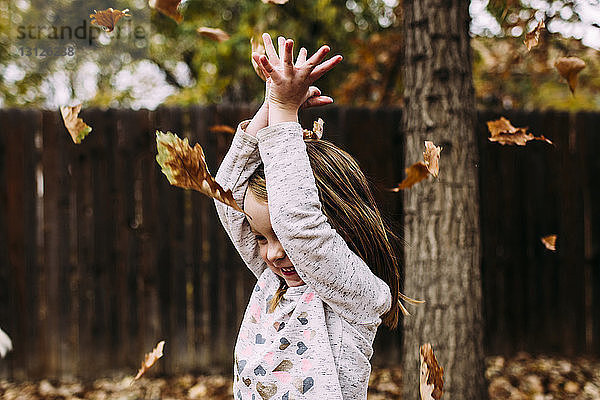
(282, 113)
(259, 121)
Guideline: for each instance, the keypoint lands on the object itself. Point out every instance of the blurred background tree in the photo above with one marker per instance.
(178, 66)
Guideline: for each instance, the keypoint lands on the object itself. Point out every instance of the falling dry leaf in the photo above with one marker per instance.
(167, 7)
(213, 33)
(431, 155)
(108, 18)
(533, 37)
(257, 47)
(185, 167)
(222, 129)
(76, 127)
(275, 1)
(550, 242)
(150, 359)
(414, 174)
(569, 68)
(316, 132)
(504, 133)
(5, 344)
(431, 380)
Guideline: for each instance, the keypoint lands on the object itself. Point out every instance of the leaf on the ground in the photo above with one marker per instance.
(185, 167)
(275, 1)
(257, 47)
(108, 18)
(431, 379)
(168, 8)
(150, 359)
(431, 155)
(76, 127)
(222, 129)
(504, 133)
(414, 174)
(213, 33)
(533, 37)
(569, 68)
(550, 242)
(316, 132)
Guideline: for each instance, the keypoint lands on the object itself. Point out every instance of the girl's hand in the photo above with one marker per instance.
(290, 83)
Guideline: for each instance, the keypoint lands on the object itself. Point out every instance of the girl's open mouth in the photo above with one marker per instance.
(288, 271)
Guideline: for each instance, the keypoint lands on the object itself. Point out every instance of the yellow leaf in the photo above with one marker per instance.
(185, 167)
(504, 133)
(76, 127)
(150, 359)
(431, 380)
(431, 155)
(257, 47)
(550, 242)
(533, 37)
(317, 131)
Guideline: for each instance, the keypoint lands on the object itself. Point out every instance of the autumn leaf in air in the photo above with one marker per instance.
(168, 8)
(275, 1)
(76, 127)
(317, 131)
(504, 133)
(431, 379)
(150, 359)
(533, 37)
(257, 47)
(569, 68)
(108, 18)
(213, 33)
(414, 174)
(550, 242)
(185, 167)
(431, 155)
(222, 129)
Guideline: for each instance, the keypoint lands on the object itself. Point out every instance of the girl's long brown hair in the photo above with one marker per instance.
(350, 208)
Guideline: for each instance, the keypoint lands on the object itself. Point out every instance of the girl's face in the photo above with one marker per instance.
(271, 250)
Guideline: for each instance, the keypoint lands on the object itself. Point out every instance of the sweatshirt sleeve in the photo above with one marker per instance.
(320, 255)
(237, 166)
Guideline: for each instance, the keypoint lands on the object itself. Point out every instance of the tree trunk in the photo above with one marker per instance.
(442, 254)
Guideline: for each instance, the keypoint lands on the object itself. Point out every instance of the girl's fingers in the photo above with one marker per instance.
(323, 68)
(316, 58)
(317, 101)
(288, 55)
(256, 58)
(269, 69)
(301, 57)
(269, 49)
(281, 44)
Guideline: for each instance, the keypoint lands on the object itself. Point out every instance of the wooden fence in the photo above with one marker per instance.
(100, 258)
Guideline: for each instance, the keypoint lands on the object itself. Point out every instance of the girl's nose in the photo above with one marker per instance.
(275, 251)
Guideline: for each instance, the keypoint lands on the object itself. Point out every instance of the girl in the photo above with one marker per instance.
(326, 264)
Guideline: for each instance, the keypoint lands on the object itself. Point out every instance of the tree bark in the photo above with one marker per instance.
(441, 216)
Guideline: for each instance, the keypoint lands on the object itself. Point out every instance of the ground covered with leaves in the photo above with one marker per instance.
(519, 378)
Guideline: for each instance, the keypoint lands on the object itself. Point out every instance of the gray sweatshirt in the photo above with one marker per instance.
(318, 342)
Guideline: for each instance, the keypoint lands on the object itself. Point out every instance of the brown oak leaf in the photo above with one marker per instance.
(550, 242)
(150, 359)
(414, 174)
(76, 127)
(504, 133)
(569, 68)
(533, 37)
(222, 129)
(257, 47)
(168, 8)
(108, 18)
(213, 33)
(431, 155)
(431, 379)
(185, 167)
